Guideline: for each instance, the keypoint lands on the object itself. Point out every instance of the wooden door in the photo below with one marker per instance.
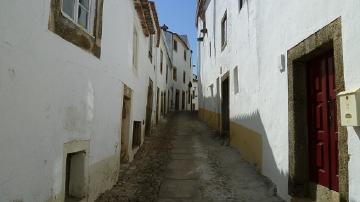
(322, 122)
(183, 100)
(177, 100)
(225, 107)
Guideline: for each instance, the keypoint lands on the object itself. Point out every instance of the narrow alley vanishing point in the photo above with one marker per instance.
(186, 161)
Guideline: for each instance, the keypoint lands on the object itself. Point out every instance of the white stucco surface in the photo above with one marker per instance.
(257, 36)
(53, 92)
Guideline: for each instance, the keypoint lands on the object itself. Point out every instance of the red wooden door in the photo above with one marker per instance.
(322, 122)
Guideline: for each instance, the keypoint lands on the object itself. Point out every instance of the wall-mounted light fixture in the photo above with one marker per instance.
(204, 30)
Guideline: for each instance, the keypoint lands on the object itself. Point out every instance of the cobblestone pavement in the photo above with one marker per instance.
(185, 161)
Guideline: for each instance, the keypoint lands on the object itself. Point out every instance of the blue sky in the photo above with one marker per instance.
(179, 16)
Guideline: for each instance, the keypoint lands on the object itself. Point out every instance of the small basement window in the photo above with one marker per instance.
(75, 176)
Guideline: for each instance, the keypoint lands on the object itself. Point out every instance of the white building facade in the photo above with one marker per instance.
(261, 63)
(181, 71)
(77, 94)
(195, 94)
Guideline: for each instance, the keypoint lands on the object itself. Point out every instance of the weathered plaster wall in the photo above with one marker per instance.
(257, 36)
(53, 92)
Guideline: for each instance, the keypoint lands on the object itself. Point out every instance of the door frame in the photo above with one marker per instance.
(125, 135)
(325, 39)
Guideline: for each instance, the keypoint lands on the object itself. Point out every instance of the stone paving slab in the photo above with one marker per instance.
(187, 162)
(183, 165)
(184, 200)
(182, 151)
(185, 189)
(182, 156)
(182, 174)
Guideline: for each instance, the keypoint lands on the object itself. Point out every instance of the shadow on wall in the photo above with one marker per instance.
(249, 137)
(269, 166)
(357, 131)
(209, 111)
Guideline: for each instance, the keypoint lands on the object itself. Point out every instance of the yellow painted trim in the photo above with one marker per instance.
(211, 118)
(248, 143)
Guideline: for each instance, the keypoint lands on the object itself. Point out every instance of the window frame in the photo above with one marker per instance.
(90, 18)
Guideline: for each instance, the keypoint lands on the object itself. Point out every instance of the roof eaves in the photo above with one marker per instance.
(139, 9)
(156, 19)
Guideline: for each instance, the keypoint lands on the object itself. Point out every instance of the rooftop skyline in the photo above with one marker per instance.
(179, 16)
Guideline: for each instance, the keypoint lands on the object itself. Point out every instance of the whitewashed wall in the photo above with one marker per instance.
(52, 92)
(257, 36)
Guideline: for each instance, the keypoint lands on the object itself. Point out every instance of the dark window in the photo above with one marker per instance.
(161, 61)
(224, 31)
(175, 45)
(185, 55)
(136, 134)
(150, 47)
(174, 74)
(241, 4)
(184, 77)
(167, 71)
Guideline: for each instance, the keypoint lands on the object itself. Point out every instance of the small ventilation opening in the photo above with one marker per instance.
(75, 177)
(136, 134)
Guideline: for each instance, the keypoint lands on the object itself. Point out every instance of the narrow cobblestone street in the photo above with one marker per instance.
(184, 160)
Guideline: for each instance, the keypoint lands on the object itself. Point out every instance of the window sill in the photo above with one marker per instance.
(65, 27)
(77, 24)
